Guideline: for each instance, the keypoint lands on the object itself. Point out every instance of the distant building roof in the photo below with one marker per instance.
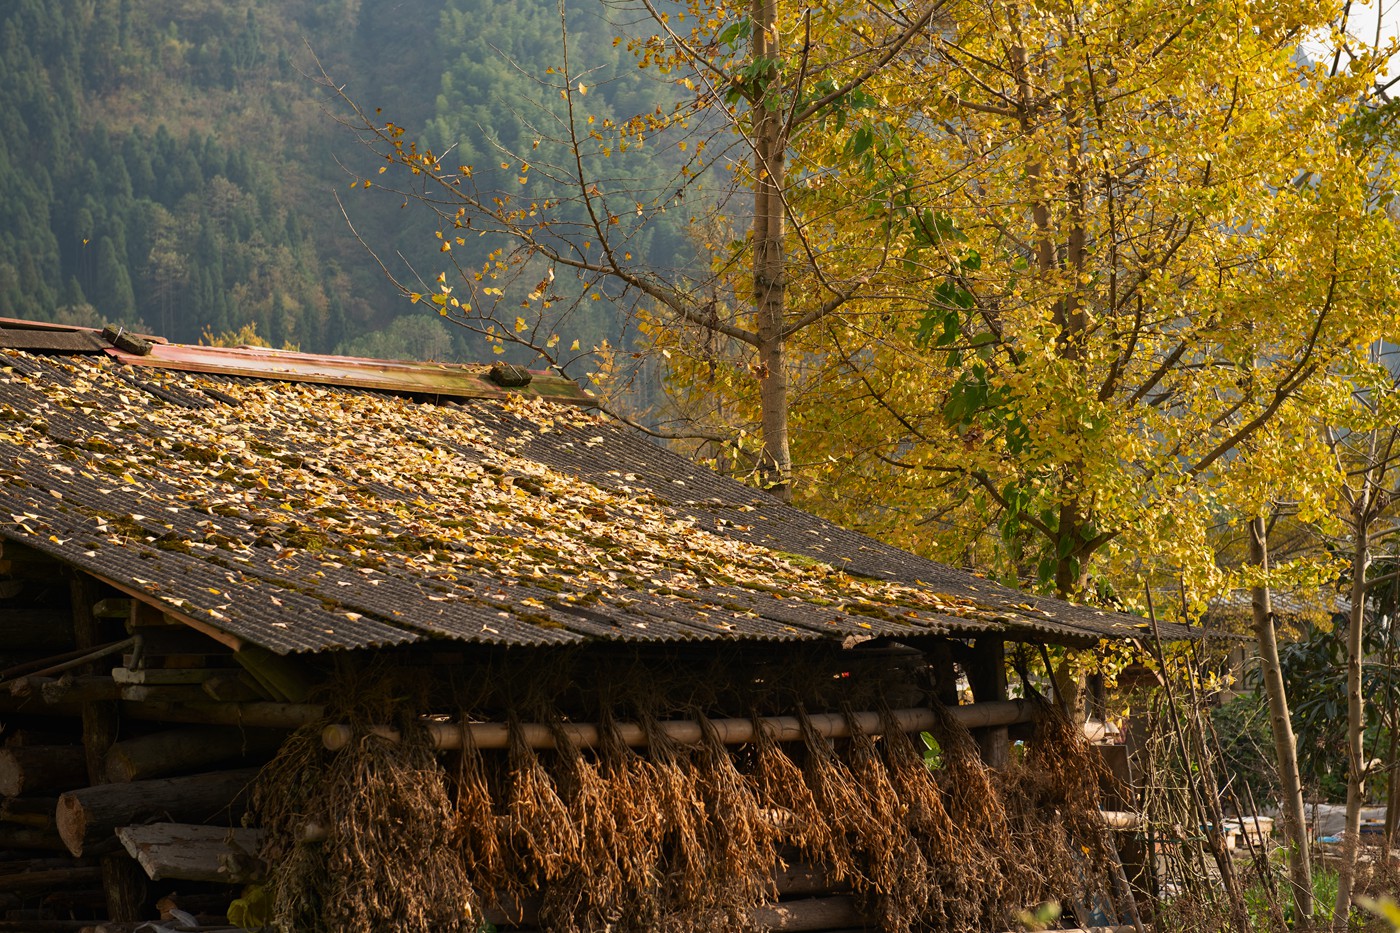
(1235, 609)
(268, 498)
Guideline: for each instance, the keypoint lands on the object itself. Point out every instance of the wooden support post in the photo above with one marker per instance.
(945, 673)
(987, 676)
(122, 880)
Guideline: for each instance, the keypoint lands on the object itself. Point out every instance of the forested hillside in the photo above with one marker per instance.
(172, 164)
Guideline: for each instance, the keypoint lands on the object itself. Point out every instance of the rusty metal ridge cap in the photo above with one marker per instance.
(434, 379)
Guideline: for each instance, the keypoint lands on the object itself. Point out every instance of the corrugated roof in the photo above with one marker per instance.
(304, 516)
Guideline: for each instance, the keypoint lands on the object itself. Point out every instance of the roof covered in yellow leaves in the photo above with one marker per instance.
(313, 515)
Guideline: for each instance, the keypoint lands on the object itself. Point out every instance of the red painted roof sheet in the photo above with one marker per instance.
(447, 380)
(441, 380)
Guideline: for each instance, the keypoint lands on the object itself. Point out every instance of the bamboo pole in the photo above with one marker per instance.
(449, 736)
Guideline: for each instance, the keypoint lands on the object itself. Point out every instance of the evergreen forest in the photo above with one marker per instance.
(173, 165)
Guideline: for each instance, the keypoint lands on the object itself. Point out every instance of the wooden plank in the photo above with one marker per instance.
(163, 676)
(808, 914)
(87, 688)
(163, 693)
(195, 853)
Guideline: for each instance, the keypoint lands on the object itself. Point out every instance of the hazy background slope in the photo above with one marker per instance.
(170, 163)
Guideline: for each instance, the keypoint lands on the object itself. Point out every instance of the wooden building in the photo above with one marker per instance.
(494, 640)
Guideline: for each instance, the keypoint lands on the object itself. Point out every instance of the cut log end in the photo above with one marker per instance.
(71, 819)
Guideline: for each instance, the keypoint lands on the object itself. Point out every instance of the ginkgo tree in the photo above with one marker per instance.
(1149, 233)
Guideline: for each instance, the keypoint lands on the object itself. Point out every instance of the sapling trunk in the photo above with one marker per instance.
(1285, 748)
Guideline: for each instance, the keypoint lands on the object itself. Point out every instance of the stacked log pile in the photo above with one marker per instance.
(114, 717)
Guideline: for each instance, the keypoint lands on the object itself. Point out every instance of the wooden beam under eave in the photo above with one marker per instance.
(149, 602)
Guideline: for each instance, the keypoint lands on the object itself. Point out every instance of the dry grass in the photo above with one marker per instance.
(793, 808)
(897, 889)
(478, 829)
(540, 837)
(740, 837)
(389, 861)
(981, 828)
(676, 838)
(948, 891)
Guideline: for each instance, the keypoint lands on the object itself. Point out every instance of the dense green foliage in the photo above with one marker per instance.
(122, 197)
(171, 164)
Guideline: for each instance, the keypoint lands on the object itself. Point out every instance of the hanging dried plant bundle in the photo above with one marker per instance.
(1064, 773)
(635, 806)
(541, 841)
(477, 827)
(684, 829)
(793, 809)
(893, 862)
(384, 805)
(741, 842)
(398, 812)
(954, 874)
(1053, 801)
(289, 793)
(837, 796)
(972, 798)
(676, 838)
(595, 893)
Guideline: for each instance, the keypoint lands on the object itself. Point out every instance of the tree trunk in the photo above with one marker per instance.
(769, 274)
(177, 750)
(42, 768)
(1285, 747)
(1356, 707)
